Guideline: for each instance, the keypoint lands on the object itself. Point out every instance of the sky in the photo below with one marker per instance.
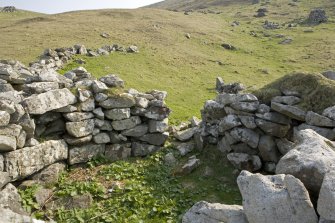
(57, 6)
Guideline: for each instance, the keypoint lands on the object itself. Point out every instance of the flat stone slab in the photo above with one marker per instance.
(24, 162)
(290, 111)
(48, 101)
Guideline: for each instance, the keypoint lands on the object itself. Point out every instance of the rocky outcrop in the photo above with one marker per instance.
(279, 198)
(204, 212)
(310, 159)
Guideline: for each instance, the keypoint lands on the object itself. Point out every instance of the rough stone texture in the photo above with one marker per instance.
(185, 134)
(112, 80)
(24, 162)
(311, 158)
(118, 113)
(326, 201)
(80, 129)
(49, 174)
(137, 131)
(191, 164)
(268, 149)
(84, 153)
(248, 121)
(7, 143)
(325, 132)
(4, 118)
(10, 198)
(290, 111)
(229, 122)
(158, 126)
(121, 101)
(243, 161)
(4, 179)
(329, 74)
(157, 113)
(8, 216)
(272, 128)
(101, 138)
(143, 149)
(77, 141)
(287, 100)
(274, 117)
(245, 106)
(156, 139)
(243, 148)
(313, 118)
(284, 145)
(276, 199)
(42, 103)
(40, 87)
(78, 116)
(246, 135)
(185, 148)
(204, 212)
(317, 16)
(126, 123)
(329, 112)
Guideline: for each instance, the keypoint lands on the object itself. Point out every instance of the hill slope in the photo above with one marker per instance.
(180, 5)
(186, 68)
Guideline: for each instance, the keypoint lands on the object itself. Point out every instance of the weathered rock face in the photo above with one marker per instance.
(24, 162)
(10, 198)
(80, 129)
(121, 101)
(279, 198)
(84, 153)
(244, 161)
(310, 159)
(317, 16)
(51, 100)
(326, 201)
(204, 212)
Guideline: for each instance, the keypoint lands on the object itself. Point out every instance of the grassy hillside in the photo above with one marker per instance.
(186, 68)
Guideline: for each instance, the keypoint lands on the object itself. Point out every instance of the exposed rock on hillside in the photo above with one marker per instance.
(317, 16)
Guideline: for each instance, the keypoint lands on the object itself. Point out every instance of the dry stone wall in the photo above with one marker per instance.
(48, 118)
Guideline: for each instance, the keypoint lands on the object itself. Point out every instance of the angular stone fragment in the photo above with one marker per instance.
(281, 198)
(4, 179)
(268, 149)
(121, 101)
(82, 154)
(4, 118)
(101, 138)
(325, 132)
(78, 141)
(326, 201)
(329, 112)
(40, 87)
(78, 116)
(287, 100)
(157, 113)
(42, 103)
(248, 121)
(157, 139)
(244, 161)
(274, 117)
(290, 111)
(118, 113)
(185, 134)
(24, 162)
(272, 128)
(246, 135)
(137, 131)
(245, 106)
(310, 159)
(80, 129)
(10, 199)
(204, 212)
(158, 126)
(126, 123)
(112, 80)
(189, 166)
(7, 143)
(49, 174)
(315, 119)
(229, 122)
(99, 87)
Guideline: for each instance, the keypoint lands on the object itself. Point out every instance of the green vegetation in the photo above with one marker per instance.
(139, 190)
(185, 68)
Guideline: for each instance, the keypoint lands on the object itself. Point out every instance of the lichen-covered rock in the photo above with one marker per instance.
(277, 199)
(4, 118)
(268, 149)
(185, 134)
(137, 131)
(244, 161)
(310, 159)
(272, 128)
(7, 143)
(315, 119)
(80, 129)
(191, 164)
(4, 179)
(326, 201)
(328, 133)
(229, 122)
(101, 138)
(247, 136)
(24, 162)
(10, 199)
(157, 139)
(126, 123)
(204, 212)
(118, 113)
(158, 126)
(287, 100)
(116, 152)
(329, 112)
(120, 101)
(290, 111)
(78, 116)
(49, 174)
(48, 101)
(82, 154)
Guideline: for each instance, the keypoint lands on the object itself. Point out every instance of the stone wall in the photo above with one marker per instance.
(47, 118)
(254, 135)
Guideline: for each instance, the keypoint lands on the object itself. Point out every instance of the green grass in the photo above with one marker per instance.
(186, 68)
(150, 191)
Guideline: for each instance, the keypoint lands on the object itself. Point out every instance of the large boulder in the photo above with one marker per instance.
(51, 100)
(275, 199)
(204, 212)
(326, 201)
(311, 158)
(24, 162)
